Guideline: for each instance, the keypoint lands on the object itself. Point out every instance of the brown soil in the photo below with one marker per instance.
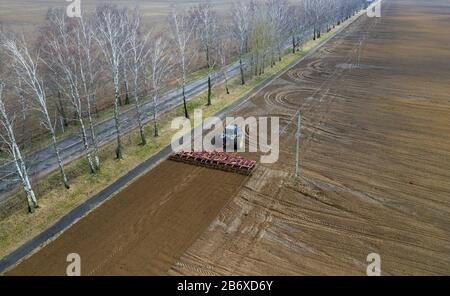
(375, 159)
(144, 228)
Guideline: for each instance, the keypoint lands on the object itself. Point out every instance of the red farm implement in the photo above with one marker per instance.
(217, 160)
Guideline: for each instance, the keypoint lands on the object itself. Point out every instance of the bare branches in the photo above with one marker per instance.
(183, 27)
(87, 57)
(207, 30)
(111, 37)
(240, 27)
(8, 137)
(66, 69)
(277, 15)
(160, 66)
(111, 46)
(26, 68)
(223, 53)
(136, 58)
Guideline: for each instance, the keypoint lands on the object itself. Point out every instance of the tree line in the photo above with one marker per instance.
(111, 49)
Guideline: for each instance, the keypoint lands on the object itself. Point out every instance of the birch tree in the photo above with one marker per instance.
(126, 85)
(160, 65)
(332, 14)
(58, 100)
(88, 74)
(223, 52)
(320, 10)
(110, 36)
(312, 8)
(125, 63)
(26, 68)
(207, 31)
(277, 15)
(240, 28)
(8, 138)
(136, 60)
(65, 67)
(182, 27)
(23, 105)
(260, 39)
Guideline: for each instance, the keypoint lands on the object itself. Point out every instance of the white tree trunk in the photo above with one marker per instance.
(8, 137)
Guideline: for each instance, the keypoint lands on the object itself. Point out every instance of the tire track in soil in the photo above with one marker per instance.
(144, 228)
(368, 151)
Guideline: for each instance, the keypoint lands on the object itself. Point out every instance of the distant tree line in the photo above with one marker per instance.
(55, 78)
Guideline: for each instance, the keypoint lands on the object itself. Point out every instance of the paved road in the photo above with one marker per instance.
(43, 160)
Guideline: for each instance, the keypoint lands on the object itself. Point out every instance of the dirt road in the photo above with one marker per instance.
(375, 159)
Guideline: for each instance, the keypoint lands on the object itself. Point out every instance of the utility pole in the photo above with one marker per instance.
(297, 145)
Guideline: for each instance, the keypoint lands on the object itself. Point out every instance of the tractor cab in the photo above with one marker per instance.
(232, 137)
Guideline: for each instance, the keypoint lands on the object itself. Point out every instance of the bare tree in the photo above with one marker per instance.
(223, 52)
(26, 68)
(136, 60)
(160, 67)
(261, 39)
(7, 136)
(111, 29)
(240, 27)
(58, 100)
(64, 65)
(125, 63)
(126, 85)
(277, 14)
(88, 75)
(331, 15)
(207, 31)
(23, 105)
(316, 12)
(182, 29)
(297, 24)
